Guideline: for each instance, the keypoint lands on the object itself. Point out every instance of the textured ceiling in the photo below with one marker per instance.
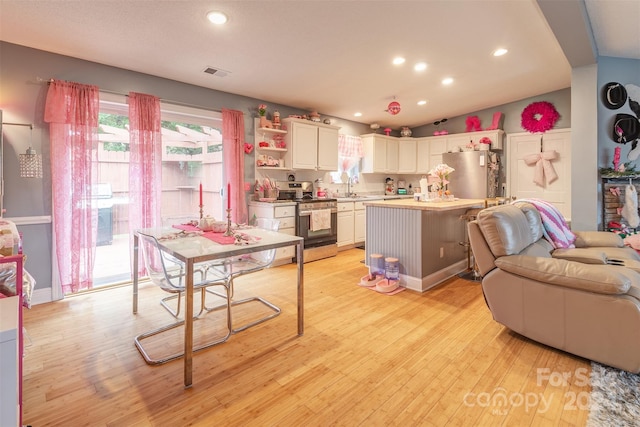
(330, 56)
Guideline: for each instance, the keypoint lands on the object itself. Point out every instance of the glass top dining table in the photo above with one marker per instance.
(195, 248)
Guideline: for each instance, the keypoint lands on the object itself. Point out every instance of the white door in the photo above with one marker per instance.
(520, 175)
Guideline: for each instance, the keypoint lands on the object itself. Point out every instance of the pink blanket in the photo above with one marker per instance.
(554, 226)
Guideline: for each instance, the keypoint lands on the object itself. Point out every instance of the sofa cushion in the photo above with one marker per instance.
(587, 239)
(584, 255)
(540, 248)
(533, 217)
(506, 229)
(604, 279)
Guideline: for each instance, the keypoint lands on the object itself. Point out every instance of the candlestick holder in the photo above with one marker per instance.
(201, 213)
(228, 232)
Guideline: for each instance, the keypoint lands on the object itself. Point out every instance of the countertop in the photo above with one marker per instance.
(426, 206)
(272, 203)
(372, 197)
(339, 199)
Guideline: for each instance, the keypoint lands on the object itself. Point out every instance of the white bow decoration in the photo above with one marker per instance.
(544, 168)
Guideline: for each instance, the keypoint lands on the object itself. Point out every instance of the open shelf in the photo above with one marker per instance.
(280, 150)
(270, 130)
(276, 168)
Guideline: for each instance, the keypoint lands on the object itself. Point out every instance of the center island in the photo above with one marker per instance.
(427, 237)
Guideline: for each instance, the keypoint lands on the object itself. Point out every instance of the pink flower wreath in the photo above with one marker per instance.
(539, 117)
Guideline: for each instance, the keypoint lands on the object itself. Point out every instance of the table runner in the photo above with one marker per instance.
(216, 237)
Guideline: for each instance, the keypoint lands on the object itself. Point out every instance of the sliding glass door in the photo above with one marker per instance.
(192, 155)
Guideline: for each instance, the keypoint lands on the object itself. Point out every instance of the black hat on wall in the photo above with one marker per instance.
(626, 128)
(614, 95)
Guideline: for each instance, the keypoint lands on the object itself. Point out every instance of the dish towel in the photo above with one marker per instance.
(320, 219)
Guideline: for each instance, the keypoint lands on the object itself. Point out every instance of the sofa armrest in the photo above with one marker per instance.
(590, 239)
(583, 255)
(603, 279)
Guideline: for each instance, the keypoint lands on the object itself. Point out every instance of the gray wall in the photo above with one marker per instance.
(625, 71)
(561, 99)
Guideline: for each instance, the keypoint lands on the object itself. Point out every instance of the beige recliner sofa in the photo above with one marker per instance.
(574, 300)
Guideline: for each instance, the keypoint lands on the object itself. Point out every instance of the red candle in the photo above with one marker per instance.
(228, 195)
(200, 194)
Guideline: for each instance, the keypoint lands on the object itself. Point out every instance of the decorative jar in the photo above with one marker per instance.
(405, 131)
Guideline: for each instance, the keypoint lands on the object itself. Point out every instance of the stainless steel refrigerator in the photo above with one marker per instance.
(477, 174)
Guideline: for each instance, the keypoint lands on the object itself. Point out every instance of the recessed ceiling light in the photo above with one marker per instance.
(398, 60)
(422, 102)
(358, 114)
(447, 81)
(500, 52)
(217, 18)
(420, 66)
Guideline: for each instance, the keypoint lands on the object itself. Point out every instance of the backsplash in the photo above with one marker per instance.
(368, 184)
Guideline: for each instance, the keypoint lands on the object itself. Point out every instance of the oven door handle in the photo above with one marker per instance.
(308, 213)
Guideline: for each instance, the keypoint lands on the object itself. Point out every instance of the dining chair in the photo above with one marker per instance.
(169, 273)
(232, 268)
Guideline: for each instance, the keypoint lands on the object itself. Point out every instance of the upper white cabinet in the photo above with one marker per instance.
(328, 148)
(448, 143)
(437, 146)
(423, 159)
(407, 155)
(380, 154)
(387, 154)
(312, 145)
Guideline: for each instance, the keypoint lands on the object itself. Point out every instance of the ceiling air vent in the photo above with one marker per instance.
(216, 71)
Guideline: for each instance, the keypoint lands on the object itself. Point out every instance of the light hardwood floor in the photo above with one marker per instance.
(365, 359)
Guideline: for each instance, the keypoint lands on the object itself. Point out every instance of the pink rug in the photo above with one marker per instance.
(365, 283)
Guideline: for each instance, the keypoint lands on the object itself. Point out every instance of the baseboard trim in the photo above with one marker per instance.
(41, 296)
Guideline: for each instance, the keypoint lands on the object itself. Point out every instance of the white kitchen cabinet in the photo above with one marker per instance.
(407, 152)
(312, 145)
(359, 223)
(455, 141)
(437, 146)
(452, 143)
(11, 350)
(380, 154)
(286, 213)
(392, 155)
(328, 148)
(345, 223)
(423, 159)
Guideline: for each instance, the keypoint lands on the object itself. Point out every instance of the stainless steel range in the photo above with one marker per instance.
(316, 219)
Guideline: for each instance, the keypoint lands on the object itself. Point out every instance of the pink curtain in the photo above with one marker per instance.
(71, 110)
(145, 163)
(233, 160)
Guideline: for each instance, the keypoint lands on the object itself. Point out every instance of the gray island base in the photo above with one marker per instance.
(424, 236)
